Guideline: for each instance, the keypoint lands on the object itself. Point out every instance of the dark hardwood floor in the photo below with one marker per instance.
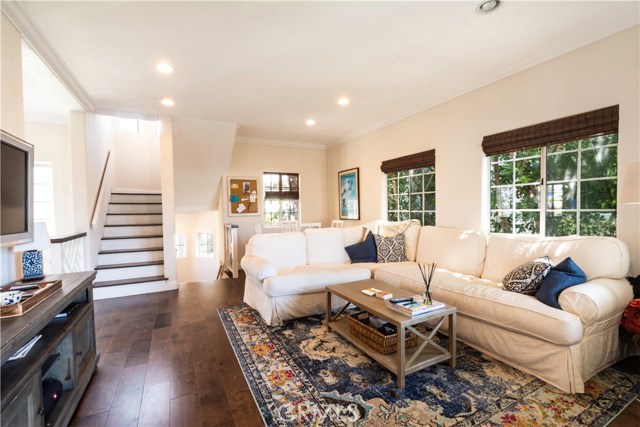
(166, 361)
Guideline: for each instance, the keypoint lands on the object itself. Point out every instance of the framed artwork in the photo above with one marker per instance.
(349, 194)
(243, 196)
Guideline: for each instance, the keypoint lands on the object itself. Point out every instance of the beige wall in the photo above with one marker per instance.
(11, 111)
(52, 144)
(255, 159)
(193, 268)
(599, 75)
(136, 157)
(202, 152)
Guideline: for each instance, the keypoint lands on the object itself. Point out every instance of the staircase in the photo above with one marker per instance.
(131, 257)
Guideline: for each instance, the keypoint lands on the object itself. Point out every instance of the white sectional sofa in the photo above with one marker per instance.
(286, 275)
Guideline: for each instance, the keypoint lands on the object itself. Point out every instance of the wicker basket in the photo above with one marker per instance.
(385, 344)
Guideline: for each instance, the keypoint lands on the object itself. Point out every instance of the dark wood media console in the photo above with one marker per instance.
(66, 352)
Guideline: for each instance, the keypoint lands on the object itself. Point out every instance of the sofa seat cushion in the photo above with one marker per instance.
(306, 279)
(489, 302)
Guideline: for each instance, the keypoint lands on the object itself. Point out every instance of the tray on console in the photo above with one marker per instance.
(45, 288)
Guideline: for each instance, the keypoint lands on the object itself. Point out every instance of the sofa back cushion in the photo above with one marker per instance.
(325, 246)
(457, 250)
(411, 235)
(284, 250)
(597, 256)
(354, 234)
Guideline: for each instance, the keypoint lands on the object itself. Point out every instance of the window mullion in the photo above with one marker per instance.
(578, 187)
(543, 191)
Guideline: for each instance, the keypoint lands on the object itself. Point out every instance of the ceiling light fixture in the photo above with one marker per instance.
(343, 101)
(164, 68)
(487, 7)
(167, 102)
(310, 122)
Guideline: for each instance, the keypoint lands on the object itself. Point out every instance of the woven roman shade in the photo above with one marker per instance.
(289, 190)
(424, 159)
(585, 125)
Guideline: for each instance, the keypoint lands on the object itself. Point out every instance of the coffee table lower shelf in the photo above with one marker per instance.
(428, 356)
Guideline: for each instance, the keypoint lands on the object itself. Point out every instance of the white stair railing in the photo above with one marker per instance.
(67, 253)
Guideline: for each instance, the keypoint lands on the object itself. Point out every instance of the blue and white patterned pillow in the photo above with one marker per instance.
(527, 278)
(390, 249)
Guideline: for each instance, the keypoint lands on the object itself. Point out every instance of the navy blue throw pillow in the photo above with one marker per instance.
(364, 251)
(561, 276)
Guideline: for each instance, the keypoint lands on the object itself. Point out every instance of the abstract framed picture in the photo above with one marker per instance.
(349, 193)
(243, 196)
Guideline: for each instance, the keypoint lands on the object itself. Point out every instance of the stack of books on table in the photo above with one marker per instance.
(414, 307)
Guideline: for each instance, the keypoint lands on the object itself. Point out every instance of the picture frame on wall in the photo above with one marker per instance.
(243, 196)
(349, 194)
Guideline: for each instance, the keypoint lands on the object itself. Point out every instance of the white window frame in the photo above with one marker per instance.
(424, 193)
(199, 246)
(544, 184)
(181, 245)
(297, 201)
(44, 188)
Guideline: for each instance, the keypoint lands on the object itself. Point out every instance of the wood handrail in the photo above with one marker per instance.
(68, 238)
(104, 172)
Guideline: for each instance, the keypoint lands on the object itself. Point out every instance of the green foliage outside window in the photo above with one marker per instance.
(580, 189)
(411, 194)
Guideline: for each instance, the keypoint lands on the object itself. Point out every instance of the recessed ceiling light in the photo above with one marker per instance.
(167, 102)
(164, 68)
(343, 101)
(487, 6)
(310, 122)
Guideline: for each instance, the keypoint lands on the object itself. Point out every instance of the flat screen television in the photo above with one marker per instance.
(16, 190)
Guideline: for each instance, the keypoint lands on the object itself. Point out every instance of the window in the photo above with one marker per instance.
(578, 193)
(181, 247)
(411, 194)
(281, 197)
(582, 187)
(411, 187)
(204, 245)
(43, 204)
(130, 125)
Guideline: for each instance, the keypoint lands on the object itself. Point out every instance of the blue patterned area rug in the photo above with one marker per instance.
(300, 375)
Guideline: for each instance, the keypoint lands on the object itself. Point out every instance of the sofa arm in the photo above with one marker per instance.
(597, 300)
(258, 268)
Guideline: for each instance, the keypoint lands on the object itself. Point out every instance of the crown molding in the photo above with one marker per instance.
(582, 38)
(16, 15)
(278, 143)
(127, 114)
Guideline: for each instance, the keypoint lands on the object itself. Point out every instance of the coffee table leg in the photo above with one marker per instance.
(328, 310)
(401, 356)
(452, 339)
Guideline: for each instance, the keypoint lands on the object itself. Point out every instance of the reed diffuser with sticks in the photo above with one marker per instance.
(427, 275)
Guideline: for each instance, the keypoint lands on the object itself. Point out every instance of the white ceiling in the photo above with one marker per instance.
(268, 66)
